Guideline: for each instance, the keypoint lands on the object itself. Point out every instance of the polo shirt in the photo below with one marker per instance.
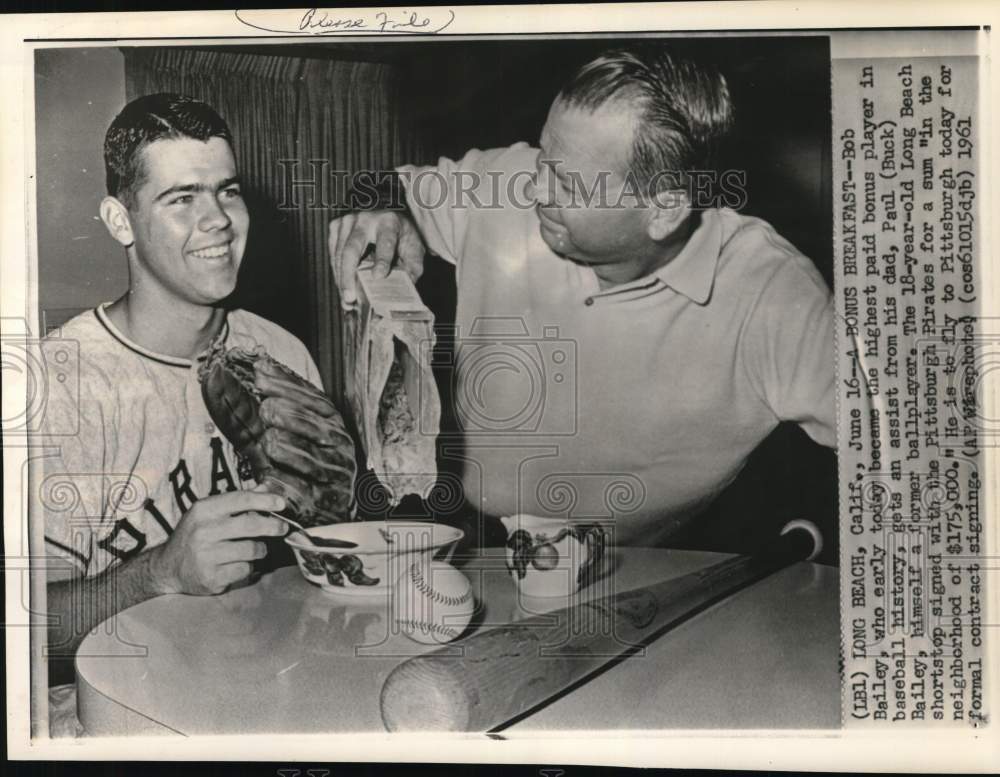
(635, 404)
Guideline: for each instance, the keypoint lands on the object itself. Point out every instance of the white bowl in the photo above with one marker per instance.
(384, 550)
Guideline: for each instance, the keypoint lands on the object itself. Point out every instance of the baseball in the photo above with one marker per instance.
(432, 603)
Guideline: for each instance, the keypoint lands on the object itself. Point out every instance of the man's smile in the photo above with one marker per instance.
(213, 252)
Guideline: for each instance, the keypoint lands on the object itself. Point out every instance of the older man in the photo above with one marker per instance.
(670, 338)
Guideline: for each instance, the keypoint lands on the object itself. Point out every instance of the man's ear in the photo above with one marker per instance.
(668, 210)
(115, 216)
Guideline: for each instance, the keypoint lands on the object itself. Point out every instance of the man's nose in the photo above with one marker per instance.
(540, 189)
(214, 217)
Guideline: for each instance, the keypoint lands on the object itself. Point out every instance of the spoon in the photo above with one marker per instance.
(319, 542)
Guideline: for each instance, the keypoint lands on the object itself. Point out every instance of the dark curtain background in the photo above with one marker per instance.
(295, 109)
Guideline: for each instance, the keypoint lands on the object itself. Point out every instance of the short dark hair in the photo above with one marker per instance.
(683, 107)
(146, 119)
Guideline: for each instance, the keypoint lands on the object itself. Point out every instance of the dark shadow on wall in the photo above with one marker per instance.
(486, 94)
(269, 283)
(787, 477)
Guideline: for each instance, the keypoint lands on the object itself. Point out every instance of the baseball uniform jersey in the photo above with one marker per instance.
(144, 448)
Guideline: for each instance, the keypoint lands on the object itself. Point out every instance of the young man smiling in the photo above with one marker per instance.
(160, 503)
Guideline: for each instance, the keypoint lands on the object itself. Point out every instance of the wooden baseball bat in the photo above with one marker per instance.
(506, 672)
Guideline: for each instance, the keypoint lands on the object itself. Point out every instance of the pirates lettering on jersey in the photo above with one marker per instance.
(123, 547)
(126, 538)
(220, 469)
(150, 507)
(181, 480)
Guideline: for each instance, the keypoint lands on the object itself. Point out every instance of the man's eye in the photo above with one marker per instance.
(232, 192)
(184, 199)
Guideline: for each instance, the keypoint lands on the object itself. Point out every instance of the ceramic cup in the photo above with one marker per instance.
(552, 556)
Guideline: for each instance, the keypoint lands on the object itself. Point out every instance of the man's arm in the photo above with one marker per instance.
(209, 550)
(78, 605)
(434, 214)
(788, 350)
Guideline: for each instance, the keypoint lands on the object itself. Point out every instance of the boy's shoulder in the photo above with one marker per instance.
(88, 341)
(104, 355)
(84, 325)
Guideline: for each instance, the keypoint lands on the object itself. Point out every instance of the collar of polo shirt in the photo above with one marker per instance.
(692, 271)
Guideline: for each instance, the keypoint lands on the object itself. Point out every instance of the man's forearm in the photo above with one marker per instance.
(77, 606)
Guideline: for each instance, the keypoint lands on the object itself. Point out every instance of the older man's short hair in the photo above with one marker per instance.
(683, 109)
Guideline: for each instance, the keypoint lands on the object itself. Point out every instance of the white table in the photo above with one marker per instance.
(281, 656)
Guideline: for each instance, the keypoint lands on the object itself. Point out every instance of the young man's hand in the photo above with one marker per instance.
(214, 543)
(396, 240)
